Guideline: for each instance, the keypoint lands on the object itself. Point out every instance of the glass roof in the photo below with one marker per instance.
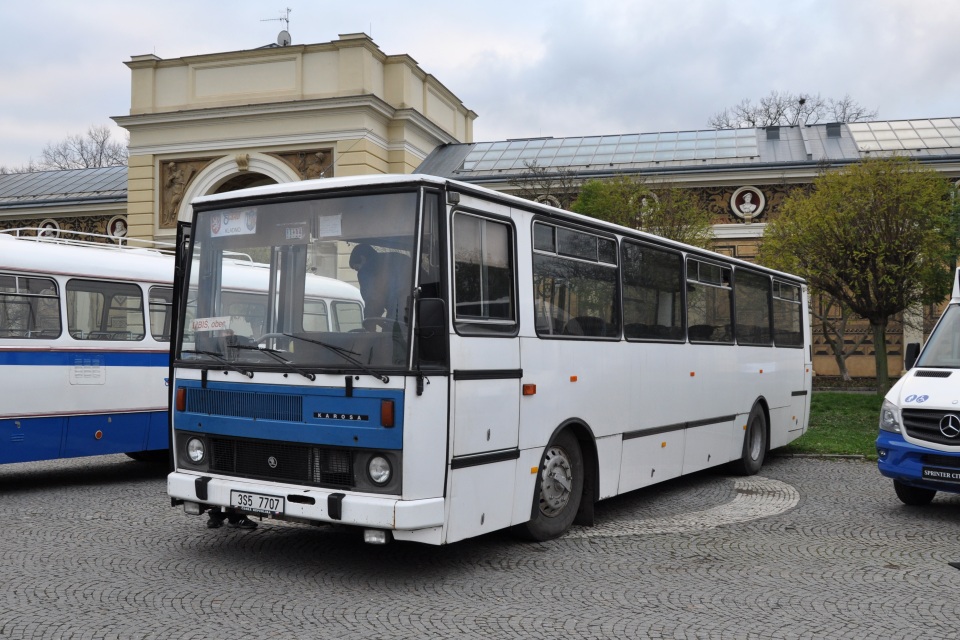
(608, 150)
(906, 135)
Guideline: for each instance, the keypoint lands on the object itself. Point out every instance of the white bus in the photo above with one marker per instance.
(517, 362)
(85, 340)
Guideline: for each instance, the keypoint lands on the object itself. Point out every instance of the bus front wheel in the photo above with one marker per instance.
(559, 489)
(754, 444)
(913, 496)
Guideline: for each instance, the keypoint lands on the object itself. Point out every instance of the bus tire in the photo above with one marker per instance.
(913, 496)
(559, 489)
(754, 444)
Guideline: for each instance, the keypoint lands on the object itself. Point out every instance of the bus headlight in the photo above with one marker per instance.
(379, 470)
(195, 450)
(889, 417)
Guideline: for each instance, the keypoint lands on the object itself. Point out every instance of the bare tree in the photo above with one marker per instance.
(24, 168)
(95, 149)
(836, 329)
(541, 184)
(785, 108)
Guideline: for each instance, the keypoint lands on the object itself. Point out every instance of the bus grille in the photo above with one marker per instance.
(924, 424)
(246, 404)
(282, 462)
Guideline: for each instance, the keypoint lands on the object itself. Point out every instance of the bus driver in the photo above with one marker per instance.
(381, 276)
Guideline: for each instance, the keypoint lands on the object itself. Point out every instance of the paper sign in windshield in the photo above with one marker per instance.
(240, 222)
(211, 324)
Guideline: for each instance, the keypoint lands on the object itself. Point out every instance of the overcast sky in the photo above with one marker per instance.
(526, 67)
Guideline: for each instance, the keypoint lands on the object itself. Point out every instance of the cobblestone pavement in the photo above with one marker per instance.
(809, 549)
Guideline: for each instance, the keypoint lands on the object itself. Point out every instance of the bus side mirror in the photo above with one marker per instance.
(910, 359)
(431, 330)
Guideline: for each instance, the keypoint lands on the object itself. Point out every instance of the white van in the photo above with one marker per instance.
(919, 441)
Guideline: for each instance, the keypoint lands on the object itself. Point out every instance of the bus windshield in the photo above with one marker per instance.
(309, 284)
(943, 347)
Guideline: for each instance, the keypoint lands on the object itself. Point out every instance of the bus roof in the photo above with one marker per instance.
(26, 254)
(30, 254)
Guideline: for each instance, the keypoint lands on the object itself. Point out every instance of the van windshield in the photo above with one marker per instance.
(943, 347)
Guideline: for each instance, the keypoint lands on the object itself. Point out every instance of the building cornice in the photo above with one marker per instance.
(78, 207)
(289, 108)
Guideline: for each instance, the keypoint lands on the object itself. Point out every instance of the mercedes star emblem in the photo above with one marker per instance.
(950, 425)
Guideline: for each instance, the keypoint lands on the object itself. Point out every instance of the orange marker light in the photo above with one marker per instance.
(529, 389)
(663, 445)
(573, 378)
(534, 470)
(693, 374)
(387, 413)
(181, 399)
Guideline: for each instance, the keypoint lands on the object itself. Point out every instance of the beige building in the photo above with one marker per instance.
(741, 175)
(211, 123)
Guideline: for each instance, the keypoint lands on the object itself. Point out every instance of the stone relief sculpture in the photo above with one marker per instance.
(313, 165)
(309, 164)
(175, 177)
(747, 203)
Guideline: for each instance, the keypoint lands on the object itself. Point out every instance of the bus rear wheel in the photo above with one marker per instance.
(559, 489)
(754, 444)
(913, 496)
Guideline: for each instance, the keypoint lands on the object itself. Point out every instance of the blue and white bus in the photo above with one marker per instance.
(85, 330)
(516, 363)
(919, 441)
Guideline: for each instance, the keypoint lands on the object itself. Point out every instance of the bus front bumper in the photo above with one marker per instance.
(312, 504)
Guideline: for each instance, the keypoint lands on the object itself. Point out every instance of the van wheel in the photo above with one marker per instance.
(754, 444)
(913, 496)
(559, 490)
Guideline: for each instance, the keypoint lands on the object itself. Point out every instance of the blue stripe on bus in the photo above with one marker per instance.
(316, 415)
(52, 437)
(75, 358)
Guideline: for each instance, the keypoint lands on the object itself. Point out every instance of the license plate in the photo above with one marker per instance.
(256, 502)
(941, 475)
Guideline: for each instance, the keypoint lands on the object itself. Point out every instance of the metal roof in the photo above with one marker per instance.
(703, 150)
(55, 188)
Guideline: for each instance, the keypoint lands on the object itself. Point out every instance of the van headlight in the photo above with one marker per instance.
(195, 450)
(889, 417)
(379, 470)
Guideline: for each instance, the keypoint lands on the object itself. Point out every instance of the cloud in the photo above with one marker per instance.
(532, 68)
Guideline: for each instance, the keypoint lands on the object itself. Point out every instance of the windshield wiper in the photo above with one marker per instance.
(221, 360)
(346, 354)
(273, 354)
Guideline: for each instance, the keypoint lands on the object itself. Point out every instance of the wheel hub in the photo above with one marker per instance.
(556, 480)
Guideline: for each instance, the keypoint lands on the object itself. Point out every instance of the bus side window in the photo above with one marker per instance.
(751, 293)
(161, 301)
(99, 310)
(347, 316)
(787, 315)
(652, 293)
(709, 302)
(315, 315)
(29, 307)
(484, 275)
(575, 283)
